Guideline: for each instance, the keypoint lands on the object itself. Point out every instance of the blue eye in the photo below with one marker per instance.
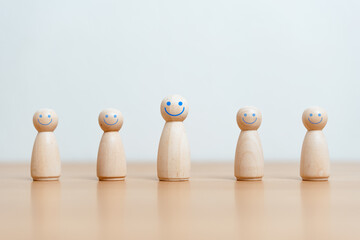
(168, 103)
(49, 116)
(311, 114)
(106, 116)
(319, 114)
(115, 116)
(245, 115)
(40, 116)
(253, 114)
(180, 103)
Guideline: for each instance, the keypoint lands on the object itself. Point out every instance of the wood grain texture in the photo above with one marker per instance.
(111, 161)
(45, 158)
(173, 162)
(213, 205)
(249, 160)
(314, 164)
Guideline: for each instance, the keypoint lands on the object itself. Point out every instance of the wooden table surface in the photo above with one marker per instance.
(212, 205)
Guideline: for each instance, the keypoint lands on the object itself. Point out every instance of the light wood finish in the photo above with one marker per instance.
(45, 158)
(173, 161)
(249, 157)
(315, 160)
(210, 206)
(111, 161)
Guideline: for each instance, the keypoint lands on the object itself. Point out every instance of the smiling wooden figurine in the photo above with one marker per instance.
(249, 158)
(45, 158)
(111, 162)
(315, 163)
(173, 161)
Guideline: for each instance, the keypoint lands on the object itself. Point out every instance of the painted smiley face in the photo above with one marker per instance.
(252, 120)
(311, 115)
(110, 124)
(180, 103)
(42, 120)
(314, 118)
(249, 118)
(110, 120)
(45, 120)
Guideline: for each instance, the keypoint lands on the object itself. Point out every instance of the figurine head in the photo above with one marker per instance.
(314, 118)
(110, 120)
(45, 120)
(249, 118)
(174, 108)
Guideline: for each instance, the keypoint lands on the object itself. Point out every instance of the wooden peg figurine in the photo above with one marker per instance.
(45, 158)
(111, 163)
(249, 158)
(315, 161)
(173, 161)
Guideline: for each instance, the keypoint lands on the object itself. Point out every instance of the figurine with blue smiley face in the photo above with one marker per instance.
(314, 118)
(45, 120)
(173, 159)
(45, 157)
(110, 120)
(249, 118)
(174, 108)
(111, 160)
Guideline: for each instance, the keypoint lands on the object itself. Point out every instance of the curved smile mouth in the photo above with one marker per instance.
(249, 122)
(111, 124)
(315, 122)
(45, 123)
(174, 115)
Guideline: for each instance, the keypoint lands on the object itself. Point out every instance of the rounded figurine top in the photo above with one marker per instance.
(110, 120)
(45, 120)
(174, 108)
(249, 118)
(314, 118)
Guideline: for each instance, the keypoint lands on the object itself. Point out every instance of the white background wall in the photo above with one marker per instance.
(79, 57)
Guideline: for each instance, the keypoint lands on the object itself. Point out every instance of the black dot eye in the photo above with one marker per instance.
(168, 103)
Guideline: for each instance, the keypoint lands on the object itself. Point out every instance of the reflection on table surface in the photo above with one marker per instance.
(212, 205)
